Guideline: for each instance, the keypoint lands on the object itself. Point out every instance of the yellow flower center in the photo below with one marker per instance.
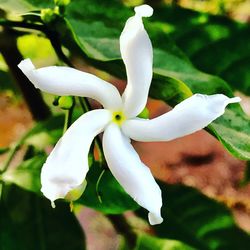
(118, 117)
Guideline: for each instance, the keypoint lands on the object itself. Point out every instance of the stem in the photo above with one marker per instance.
(11, 156)
(68, 117)
(12, 153)
(97, 185)
(122, 227)
(13, 57)
(66, 121)
(18, 24)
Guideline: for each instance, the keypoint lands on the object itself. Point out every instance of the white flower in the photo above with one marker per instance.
(67, 165)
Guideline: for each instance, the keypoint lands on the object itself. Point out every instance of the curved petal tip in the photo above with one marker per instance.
(26, 65)
(234, 100)
(154, 219)
(144, 10)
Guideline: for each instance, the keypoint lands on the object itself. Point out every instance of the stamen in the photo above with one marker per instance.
(118, 117)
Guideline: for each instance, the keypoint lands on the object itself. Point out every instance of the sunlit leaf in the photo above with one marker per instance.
(23, 6)
(27, 174)
(38, 49)
(108, 196)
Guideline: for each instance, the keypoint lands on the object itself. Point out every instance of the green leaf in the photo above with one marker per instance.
(148, 242)
(197, 220)
(28, 222)
(7, 83)
(112, 197)
(23, 6)
(27, 174)
(214, 44)
(38, 49)
(46, 132)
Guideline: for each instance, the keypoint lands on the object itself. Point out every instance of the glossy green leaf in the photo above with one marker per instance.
(108, 196)
(7, 83)
(28, 222)
(148, 242)
(27, 174)
(214, 44)
(23, 6)
(198, 221)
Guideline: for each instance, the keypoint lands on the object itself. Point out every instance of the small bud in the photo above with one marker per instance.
(76, 193)
(48, 15)
(65, 102)
(61, 2)
(144, 114)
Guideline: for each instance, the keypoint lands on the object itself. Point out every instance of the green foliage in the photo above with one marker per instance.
(23, 6)
(106, 196)
(6, 82)
(27, 174)
(147, 242)
(214, 44)
(28, 222)
(198, 221)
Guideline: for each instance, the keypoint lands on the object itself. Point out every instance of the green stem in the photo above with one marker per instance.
(97, 185)
(68, 117)
(9, 159)
(66, 121)
(12, 152)
(18, 24)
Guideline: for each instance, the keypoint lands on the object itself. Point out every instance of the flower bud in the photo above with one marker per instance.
(48, 15)
(62, 2)
(65, 102)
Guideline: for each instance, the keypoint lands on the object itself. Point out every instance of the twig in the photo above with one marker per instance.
(12, 57)
(121, 226)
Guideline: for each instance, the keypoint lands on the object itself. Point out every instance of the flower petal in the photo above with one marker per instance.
(61, 80)
(136, 51)
(187, 117)
(67, 165)
(131, 173)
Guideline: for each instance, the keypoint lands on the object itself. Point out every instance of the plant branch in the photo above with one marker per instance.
(122, 227)
(12, 57)
(22, 24)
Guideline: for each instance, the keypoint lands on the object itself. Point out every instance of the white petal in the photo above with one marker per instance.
(187, 117)
(67, 165)
(136, 51)
(131, 173)
(60, 80)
